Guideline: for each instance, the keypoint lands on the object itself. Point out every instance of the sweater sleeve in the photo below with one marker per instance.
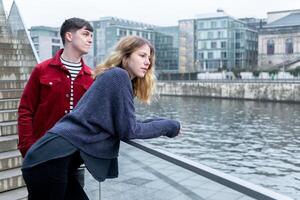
(125, 124)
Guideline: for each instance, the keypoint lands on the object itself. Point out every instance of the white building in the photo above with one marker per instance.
(279, 41)
(46, 41)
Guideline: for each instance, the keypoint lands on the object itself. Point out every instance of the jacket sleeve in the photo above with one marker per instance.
(126, 125)
(27, 107)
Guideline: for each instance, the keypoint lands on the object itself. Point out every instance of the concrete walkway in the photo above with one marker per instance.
(146, 177)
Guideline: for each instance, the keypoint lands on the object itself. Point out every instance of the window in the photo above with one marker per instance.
(220, 34)
(203, 45)
(223, 44)
(200, 35)
(223, 23)
(213, 45)
(270, 47)
(55, 40)
(210, 35)
(223, 55)
(36, 46)
(55, 49)
(238, 55)
(238, 45)
(35, 39)
(201, 55)
(200, 25)
(213, 24)
(210, 55)
(289, 46)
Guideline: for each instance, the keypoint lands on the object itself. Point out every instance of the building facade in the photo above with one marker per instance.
(187, 45)
(46, 41)
(279, 41)
(166, 46)
(109, 30)
(213, 42)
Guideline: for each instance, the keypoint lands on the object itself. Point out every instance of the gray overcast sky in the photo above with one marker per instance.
(157, 12)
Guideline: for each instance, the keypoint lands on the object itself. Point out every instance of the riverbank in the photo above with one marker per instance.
(261, 91)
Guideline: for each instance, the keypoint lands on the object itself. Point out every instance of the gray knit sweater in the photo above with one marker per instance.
(105, 115)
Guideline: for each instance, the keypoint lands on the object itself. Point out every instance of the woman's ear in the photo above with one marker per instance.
(124, 61)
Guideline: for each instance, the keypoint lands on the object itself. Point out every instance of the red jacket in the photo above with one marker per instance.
(46, 98)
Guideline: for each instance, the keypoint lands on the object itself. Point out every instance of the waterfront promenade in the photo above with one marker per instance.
(143, 176)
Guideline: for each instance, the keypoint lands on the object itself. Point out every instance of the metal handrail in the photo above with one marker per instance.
(232, 182)
(275, 81)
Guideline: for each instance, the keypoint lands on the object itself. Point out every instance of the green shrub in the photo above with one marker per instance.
(256, 73)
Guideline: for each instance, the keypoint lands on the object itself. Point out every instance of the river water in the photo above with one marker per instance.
(256, 141)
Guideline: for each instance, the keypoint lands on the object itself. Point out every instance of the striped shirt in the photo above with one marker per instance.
(74, 69)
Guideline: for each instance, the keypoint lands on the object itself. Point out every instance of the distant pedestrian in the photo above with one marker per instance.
(91, 133)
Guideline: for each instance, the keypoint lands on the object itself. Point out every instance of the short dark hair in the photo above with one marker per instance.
(74, 24)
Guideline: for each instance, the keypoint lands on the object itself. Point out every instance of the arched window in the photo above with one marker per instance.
(289, 46)
(270, 47)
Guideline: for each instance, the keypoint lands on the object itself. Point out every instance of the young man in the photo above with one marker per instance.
(55, 85)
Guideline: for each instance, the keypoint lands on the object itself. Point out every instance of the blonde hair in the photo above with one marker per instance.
(143, 88)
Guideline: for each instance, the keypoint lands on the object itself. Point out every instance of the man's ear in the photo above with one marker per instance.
(68, 36)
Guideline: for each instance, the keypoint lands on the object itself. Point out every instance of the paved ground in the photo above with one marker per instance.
(145, 177)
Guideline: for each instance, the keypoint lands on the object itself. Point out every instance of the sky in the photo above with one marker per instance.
(156, 12)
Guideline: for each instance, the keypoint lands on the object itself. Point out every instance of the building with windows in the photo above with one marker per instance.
(109, 30)
(46, 41)
(279, 41)
(212, 42)
(166, 46)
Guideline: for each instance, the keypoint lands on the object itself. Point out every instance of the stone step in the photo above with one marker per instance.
(15, 69)
(17, 45)
(8, 143)
(12, 41)
(14, 76)
(20, 63)
(8, 115)
(10, 160)
(16, 57)
(8, 128)
(12, 84)
(16, 194)
(11, 179)
(14, 51)
(9, 104)
(10, 93)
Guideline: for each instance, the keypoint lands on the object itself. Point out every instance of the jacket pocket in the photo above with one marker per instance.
(51, 89)
(50, 82)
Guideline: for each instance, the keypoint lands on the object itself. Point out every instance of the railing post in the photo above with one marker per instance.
(99, 190)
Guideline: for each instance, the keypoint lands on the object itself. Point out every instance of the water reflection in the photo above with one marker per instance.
(256, 141)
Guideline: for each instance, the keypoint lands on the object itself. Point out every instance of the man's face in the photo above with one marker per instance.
(81, 40)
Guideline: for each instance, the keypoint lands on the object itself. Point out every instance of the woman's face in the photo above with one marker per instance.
(138, 63)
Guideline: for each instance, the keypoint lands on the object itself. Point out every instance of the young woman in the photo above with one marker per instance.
(91, 133)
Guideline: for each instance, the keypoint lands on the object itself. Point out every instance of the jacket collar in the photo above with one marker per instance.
(55, 61)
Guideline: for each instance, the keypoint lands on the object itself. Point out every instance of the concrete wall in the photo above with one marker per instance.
(255, 91)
